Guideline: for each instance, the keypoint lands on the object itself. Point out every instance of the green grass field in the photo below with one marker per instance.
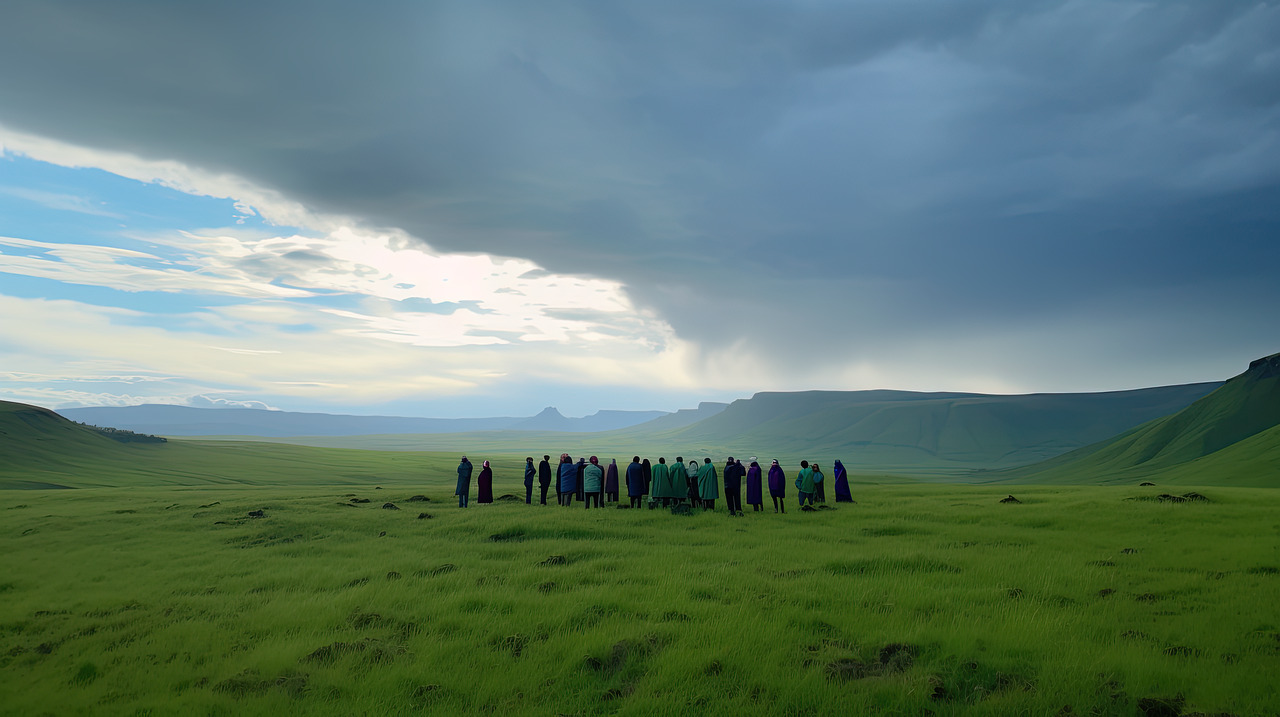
(921, 598)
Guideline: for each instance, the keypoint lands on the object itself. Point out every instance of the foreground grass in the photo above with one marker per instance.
(922, 598)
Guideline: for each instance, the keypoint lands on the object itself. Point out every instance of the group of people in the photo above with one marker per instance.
(696, 484)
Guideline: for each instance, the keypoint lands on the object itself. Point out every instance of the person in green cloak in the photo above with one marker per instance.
(708, 485)
(662, 482)
(805, 483)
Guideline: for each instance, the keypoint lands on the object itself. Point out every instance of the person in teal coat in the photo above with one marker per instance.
(463, 491)
(804, 482)
(593, 483)
(708, 485)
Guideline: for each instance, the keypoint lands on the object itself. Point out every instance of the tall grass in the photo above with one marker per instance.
(918, 598)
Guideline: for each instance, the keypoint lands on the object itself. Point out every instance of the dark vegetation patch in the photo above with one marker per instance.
(124, 511)
(1264, 570)
(1146, 484)
(874, 566)
(263, 540)
(547, 587)
(515, 644)
(1014, 593)
(425, 516)
(1181, 651)
(972, 682)
(257, 514)
(368, 652)
(424, 695)
(251, 683)
(390, 506)
(210, 505)
(508, 498)
(1161, 706)
(393, 575)
(1147, 597)
(86, 674)
(1009, 499)
(418, 499)
(1101, 563)
(1105, 592)
(1129, 551)
(511, 535)
(887, 531)
(437, 570)
(681, 509)
(358, 582)
(359, 500)
(674, 616)
(555, 560)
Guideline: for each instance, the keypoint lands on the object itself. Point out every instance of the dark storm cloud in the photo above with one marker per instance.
(866, 171)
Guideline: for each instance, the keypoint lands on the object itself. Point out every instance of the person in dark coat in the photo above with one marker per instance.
(691, 468)
(544, 478)
(568, 479)
(611, 481)
(463, 491)
(733, 473)
(842, 484)
(582, 490)
(529, 474)
(754, 494)
(708, 484)
(484, 485)
(635, 482)
(778, 486)
(819, 486)
(646, 473)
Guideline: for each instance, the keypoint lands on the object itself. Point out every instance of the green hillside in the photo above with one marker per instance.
(40, 449)
(1231, 436)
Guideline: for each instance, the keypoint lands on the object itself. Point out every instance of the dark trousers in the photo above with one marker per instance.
(591, 496)
(462, 499)
(612, 497)
(734, 499)
(566, 499)
(709, 504)
(528, 494)
(544, 494)
(779, 504)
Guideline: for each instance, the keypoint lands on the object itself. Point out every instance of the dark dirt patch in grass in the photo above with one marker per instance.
(390, 506)
(437, 570)
(418, 499)
(360, 500)
(554, 560)
(547, 587)
(250, 682)
(369, 651)
(1161, 706)
(425, 516)
(1181, 651)
(890, 565)
(358, 582)
(514, 535)
(1009, 499)
(393, 575)
(1264, 570)
(1105, 592)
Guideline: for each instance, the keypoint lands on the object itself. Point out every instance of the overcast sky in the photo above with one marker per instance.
(477, 208)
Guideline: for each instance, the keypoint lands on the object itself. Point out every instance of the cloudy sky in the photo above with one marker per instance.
(476, 208)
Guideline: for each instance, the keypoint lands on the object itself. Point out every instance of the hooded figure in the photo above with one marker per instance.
(777, 486)
(662, 482)
(635, 482)
(568, 479)
(529, 474)
(733, 472)
(611, 481)
(842, 484)
(484, 485)
(592, 482)
(544, 477)
(754, 495)
(646, 474)
(708, 485)
(819, 485)
(691, 471)
(463, 491)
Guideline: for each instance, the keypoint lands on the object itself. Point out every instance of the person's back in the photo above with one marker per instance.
(593, 475)
(463, 489)
(568, 480)
(708, 488)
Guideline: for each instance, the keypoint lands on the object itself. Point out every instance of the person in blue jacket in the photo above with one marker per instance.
(568, 479)
(463, 491)
(529, 474)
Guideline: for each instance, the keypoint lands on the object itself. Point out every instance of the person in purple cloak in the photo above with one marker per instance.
(611, 482)
(484, 485)
(778, 486)
(842, 484)
(754, 493)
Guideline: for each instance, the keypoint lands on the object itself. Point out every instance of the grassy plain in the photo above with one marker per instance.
(921, 598)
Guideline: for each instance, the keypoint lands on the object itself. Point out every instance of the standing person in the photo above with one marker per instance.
(819, 488)
(635, 481)
(544, 478)
(662, 482)
(529, 474)
(611, 482)
(568, 480)
(804, 483)
(484, 485)
(695, 498)
(646, 475)
(733, 486)
(818, 480)
(582, 490)
(778, 486)
(842, 484)
(754, 494)
(708, 485)
(463, 491)
(680, 480)
(592, 483)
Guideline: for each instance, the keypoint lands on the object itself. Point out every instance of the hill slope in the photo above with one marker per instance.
(1230, 436)
(900, 430)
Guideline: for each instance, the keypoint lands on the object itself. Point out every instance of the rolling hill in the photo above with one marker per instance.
(1230, 436)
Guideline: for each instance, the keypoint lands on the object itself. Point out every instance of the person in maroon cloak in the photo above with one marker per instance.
(484, 485)
(754, 497)
(611, 482)
(842, 484)
(778, 487)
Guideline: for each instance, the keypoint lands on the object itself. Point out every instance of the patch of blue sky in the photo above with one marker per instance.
(22, 286)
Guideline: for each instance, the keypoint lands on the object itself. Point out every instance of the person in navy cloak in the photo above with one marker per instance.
(842, 484)
(568, 483)
(733, 473)
(484, 485)
(754, 494)
(529, 474)
(778, 486)
(646, 472)
(463, 490)
(582, 486)
(544, 478)
(611, 482)
(635, 482)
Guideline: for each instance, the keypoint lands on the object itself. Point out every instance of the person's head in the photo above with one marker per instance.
(740, 463)
(486, 464)
(464, 459)
(729, 462)
(706, 460)
(546, 458)
(595, 461)
(635, 459)
(755, 464)
(662, 460)
(775, 462)
(645, 462)
(679, 459)
(613, 461)
(804, 464)
(564, 457)
(529, 459)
